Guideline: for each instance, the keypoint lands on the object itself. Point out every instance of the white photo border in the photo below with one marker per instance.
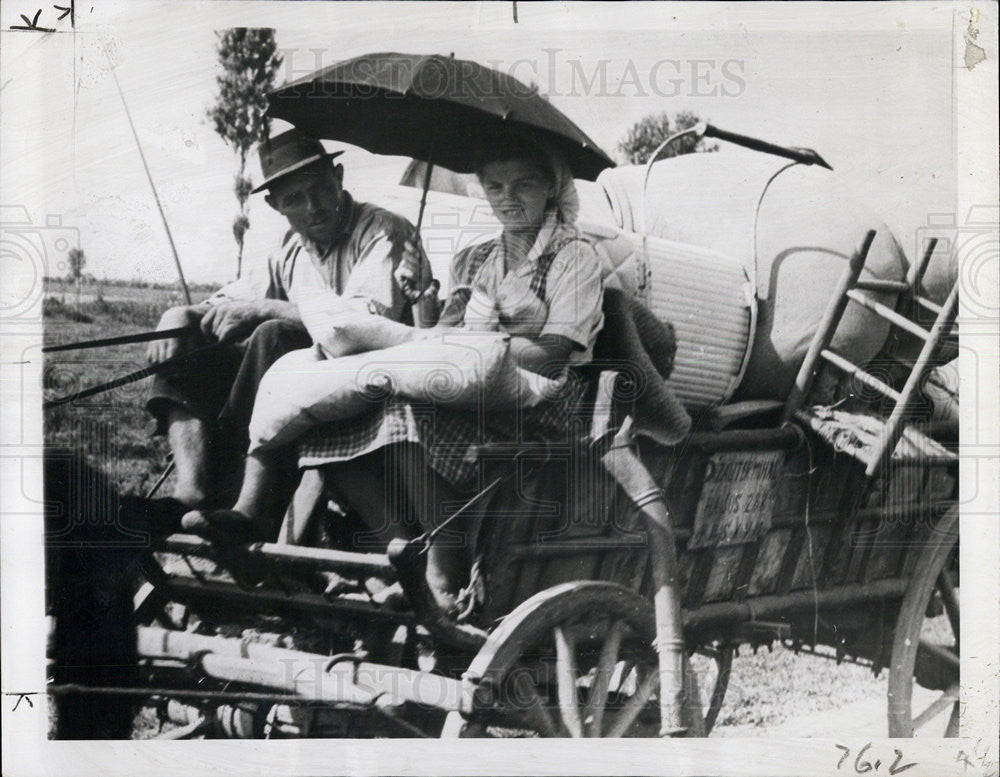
(27, 751)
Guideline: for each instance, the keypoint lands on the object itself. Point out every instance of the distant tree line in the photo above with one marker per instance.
(87, 279)
(643, 138)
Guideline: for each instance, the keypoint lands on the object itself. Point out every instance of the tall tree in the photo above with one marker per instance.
(77, 261)
(650, 131)
(249, 60)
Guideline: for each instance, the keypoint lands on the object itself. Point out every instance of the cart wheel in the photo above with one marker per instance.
(925, 646)
(712, 665)
(575, 660)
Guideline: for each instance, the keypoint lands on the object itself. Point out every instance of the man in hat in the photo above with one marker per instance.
(339, 255)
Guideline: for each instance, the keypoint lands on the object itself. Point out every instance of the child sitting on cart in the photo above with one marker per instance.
(539, 282)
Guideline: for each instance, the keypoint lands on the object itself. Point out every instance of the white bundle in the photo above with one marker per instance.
(457, 370)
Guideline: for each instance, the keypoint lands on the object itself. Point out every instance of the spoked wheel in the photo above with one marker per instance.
(576, 660)
(712, 665)
(924, 678)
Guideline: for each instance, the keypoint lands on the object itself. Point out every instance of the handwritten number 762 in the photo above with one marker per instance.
(862, 766)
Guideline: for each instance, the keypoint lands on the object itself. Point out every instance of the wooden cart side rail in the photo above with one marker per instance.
(226, 596)
(292, 556)
(588, 545)
(728, 614)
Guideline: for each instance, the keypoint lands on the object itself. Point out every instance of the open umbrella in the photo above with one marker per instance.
(438, 109)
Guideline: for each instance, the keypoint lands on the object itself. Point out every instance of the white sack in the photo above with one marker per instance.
(342, 326)
(456, 370)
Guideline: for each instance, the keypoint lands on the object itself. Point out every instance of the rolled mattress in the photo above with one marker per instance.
(702, 292)
(713, 221)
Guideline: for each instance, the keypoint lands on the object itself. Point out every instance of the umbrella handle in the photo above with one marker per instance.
(420, 221)
(423, 195)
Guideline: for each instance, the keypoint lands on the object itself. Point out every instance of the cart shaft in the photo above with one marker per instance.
(344, 680)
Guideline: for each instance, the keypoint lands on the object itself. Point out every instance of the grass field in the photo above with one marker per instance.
(766, 689)
(111, 428)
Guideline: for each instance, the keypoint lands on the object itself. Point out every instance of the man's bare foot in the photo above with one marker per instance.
(227, 530)
(227, 526)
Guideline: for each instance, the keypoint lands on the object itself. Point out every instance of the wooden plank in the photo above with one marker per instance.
(722, 578)
(860, 540)
(768, 563)
(544, 508)
(876, 496)
(642, 578)
(901, 519)
(684, 488)
(579, 490)
(700, 571)
(229, 597)
(509, 522)
(290, 556)
(867, 527)
(594, 493)
(558, 569)
(618, 566)
(818, 537)
(848, 491)
(555, 571)
(789, 561)
(741, 582)
(686, 562)
(887, 548)
(832, 495)
(792, 489)
(837, 558)
(918, 540)
(907, 485)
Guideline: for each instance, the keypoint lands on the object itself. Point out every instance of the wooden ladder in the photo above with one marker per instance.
(850, 288)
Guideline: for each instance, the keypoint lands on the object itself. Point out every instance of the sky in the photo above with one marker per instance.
(869, 86)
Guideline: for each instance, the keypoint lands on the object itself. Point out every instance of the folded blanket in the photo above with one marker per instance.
(635, 342)
(458, 370)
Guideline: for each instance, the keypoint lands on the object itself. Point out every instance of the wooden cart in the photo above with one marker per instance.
(614, 580)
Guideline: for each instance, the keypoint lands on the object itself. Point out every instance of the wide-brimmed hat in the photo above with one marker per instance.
(285, 153)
